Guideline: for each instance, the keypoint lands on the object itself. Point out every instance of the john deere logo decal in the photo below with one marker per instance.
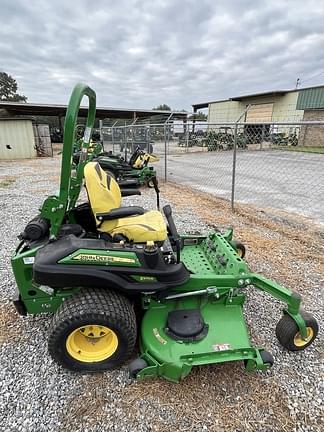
(144, 278)
(103, 259)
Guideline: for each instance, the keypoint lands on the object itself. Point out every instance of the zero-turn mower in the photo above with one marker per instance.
(113, 275)
(136, 168)
(134, 173)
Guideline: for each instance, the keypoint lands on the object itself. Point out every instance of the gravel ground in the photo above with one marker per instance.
(37, 395)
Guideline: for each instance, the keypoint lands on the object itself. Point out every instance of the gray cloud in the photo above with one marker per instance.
(139, 53)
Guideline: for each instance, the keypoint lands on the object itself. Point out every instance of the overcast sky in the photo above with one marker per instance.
(143, 53)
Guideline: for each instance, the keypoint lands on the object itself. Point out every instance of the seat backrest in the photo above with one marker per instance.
(134, 156)
(143, 160)
(103, 192)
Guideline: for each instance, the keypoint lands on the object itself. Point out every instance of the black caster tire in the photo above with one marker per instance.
(267, 358)
(136, 366)
(288, 334)
(239, 247)
(93, 330)
(150, 183)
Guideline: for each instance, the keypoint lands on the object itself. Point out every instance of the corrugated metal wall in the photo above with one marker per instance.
(311, 98)
(284, 108)
(17, 139)
(43, 140)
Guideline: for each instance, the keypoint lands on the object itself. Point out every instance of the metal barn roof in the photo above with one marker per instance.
(202, 105)
(33, 109)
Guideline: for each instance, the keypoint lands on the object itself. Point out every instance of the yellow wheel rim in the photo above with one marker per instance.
(299, 342)
(92, 343)
(239, 252)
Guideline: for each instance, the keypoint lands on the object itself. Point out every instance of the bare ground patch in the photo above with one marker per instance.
(6, 181)
(9, 324)
(217, 399)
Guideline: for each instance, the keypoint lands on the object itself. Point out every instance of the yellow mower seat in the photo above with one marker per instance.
(144, 159)
(104, 195)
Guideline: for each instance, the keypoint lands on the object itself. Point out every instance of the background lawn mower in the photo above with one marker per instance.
(136, 168)
(133, 173)
(112, 275)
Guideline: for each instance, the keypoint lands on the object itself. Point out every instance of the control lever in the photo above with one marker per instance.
(176, 239)
(157, 191)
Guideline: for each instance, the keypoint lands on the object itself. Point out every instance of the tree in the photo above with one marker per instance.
(8, 89)
(198, 116)
(162, 107)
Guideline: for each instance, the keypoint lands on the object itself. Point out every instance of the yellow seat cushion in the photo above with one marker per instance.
(104, 195)
(142, 228)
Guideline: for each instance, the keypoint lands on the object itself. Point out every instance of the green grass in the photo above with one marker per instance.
(6, 182)
(303, 149)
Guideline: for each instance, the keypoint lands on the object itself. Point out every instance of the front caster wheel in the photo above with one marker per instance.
(136, 366)
(267, 358)
(150, 183)
(288, 333)
(239, 247)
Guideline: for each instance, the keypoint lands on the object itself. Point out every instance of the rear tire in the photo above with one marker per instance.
(93, 330)
(288, 334)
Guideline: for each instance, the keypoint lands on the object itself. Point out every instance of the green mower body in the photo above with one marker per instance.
(125, 171)
(188, 293)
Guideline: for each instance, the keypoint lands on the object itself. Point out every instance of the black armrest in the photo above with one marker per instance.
(120, 212)
(129, 192)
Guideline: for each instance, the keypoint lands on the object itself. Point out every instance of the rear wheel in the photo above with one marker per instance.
(93, 330)
(289, 335)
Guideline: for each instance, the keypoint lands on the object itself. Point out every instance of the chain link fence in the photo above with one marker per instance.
(268, 165)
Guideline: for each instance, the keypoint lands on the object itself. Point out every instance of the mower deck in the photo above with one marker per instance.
(227, 339)
(220, 306)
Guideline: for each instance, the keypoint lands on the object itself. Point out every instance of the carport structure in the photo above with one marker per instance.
(131, 114)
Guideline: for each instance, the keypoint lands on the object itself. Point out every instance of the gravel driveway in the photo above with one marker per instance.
(37, 395)
(288, 181)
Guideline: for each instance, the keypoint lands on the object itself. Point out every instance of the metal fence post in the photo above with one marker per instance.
(125, 141)
(165, 155)
(234, 166)
(148, 139)
(234, 156)
(187, 139)
(262, 136)
(101, 134)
